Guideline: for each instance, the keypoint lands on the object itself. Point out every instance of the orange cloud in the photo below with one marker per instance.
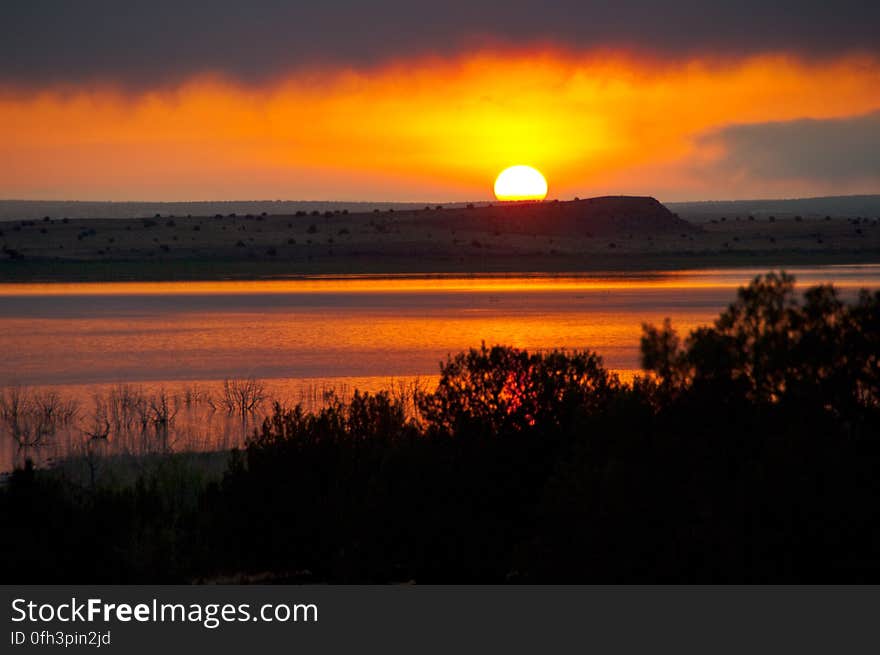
(433, 129)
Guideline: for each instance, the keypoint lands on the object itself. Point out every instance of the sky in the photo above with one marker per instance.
(409, 101)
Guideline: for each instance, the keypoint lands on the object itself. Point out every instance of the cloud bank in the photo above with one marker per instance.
(839, 153)
(46, 42)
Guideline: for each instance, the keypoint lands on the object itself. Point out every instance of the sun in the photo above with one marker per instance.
(520, 183)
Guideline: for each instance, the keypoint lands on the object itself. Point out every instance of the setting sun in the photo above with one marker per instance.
(520, 183)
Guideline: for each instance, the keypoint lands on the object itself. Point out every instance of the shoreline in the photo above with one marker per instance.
(65, 271)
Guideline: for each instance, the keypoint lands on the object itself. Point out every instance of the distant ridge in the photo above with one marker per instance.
(599, 216)
(13, 210)
(697, 211)
(603, 216)
(865, 206)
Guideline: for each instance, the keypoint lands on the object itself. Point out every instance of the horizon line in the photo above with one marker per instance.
(434, 202)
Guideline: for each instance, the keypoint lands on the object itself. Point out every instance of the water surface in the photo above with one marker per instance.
(307, 335)
(88, 333)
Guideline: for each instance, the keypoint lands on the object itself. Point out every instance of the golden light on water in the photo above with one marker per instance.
(338, 333)
(520, 183)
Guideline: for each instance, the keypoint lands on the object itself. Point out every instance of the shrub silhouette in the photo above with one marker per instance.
(501, 390)
(768, 347)
(317, 467)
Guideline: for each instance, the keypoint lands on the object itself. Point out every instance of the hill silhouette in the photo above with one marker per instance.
(605, 216)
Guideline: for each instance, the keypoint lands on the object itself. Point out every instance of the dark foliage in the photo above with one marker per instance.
(749, 453)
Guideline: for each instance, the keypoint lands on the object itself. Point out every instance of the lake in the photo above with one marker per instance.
(304, 337)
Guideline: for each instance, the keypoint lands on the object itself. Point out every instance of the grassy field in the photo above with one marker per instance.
(553, 237)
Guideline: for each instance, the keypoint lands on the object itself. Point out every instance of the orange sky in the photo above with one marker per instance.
(432, 129)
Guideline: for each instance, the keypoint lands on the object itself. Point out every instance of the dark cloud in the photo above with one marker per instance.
(48, 41)
(845, 150)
